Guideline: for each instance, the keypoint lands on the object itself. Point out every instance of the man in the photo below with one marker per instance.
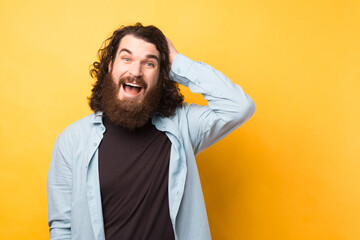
(128, 170)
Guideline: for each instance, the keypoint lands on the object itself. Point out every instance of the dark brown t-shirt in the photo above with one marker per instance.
(133, 171)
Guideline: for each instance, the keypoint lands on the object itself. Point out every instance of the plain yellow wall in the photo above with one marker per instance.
(291, 172)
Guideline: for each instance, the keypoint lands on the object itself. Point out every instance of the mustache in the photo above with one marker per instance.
(129, 79)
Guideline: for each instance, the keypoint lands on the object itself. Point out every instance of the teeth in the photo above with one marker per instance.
(132, 84)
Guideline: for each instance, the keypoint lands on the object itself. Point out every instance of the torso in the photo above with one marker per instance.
(133, 172)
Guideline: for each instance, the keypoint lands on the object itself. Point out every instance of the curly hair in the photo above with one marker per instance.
(171, 98)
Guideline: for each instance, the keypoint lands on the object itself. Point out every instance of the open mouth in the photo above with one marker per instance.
(132, 89)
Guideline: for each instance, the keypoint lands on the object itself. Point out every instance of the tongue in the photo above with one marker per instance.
(132, 90)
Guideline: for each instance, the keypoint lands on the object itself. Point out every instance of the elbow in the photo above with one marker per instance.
(236, 111)
(245, 111)
(251, 108)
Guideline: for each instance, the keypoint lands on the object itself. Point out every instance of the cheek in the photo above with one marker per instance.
(156, 77)
(155, 80)
(151, 79)
(118, 70)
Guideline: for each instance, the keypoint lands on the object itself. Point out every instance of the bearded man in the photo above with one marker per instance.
(128, 170)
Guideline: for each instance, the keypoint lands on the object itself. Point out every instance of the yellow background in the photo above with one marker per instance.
(291, 172)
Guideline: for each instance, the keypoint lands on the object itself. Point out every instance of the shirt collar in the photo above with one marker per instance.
(96, 117)
(159, 121)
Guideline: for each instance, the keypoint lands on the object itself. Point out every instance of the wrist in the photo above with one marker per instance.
(172, 56)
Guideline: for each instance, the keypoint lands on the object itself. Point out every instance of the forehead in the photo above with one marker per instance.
(137, 46)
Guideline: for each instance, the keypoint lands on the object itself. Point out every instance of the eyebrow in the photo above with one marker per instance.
(153, 56)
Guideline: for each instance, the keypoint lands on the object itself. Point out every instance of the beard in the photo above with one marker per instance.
(129, 113)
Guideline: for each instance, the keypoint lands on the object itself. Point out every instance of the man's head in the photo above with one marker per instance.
(133, 77)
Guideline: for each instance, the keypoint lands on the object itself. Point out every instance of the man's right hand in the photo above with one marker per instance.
(172, 51)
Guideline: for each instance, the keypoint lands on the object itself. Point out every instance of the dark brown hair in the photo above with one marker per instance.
(171, 98)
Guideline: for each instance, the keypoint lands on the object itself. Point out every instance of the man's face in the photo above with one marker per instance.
(132, 90)
(135, 69)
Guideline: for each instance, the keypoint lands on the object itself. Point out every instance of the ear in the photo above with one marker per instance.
(110, 65)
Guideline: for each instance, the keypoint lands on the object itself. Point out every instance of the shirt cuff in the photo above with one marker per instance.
(179, 69)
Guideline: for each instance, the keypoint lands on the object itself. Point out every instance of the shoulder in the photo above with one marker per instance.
(180, 112)
(183, 114)
(80, 129)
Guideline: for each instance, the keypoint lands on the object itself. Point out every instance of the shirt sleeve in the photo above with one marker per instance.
(228, 105)
(59, 187)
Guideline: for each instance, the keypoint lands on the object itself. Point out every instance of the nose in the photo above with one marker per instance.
(135, 69)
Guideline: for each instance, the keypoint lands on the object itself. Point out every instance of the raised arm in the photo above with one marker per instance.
(228, 105)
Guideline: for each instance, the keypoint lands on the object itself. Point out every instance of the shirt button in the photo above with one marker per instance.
(102, 128)
(94, 143)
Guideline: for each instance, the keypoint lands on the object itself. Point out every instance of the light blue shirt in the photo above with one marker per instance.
(74, 200)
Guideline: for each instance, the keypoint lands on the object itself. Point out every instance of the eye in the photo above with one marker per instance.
(126, 59)
(150, 64)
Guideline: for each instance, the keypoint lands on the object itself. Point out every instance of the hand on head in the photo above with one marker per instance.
(172, 51)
